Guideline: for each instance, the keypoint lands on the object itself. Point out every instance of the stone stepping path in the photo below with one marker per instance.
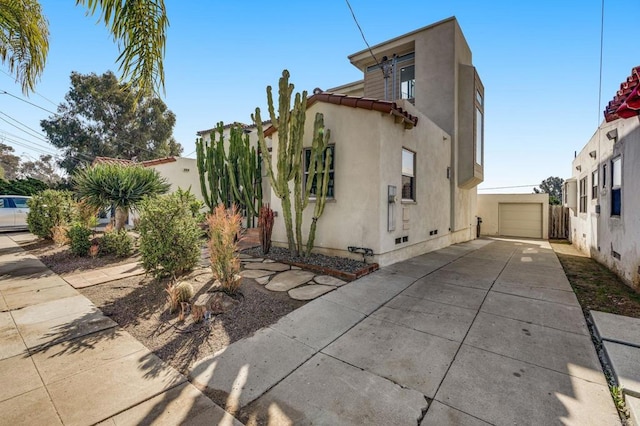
(298, 283)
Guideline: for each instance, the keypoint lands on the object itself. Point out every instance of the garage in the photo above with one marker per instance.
(520, 219)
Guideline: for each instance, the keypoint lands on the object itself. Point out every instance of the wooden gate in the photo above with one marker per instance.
(558, 222)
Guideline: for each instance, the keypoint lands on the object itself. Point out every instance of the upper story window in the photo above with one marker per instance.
(616, 186)
(594, 185)
(408, 82)
(408, 175)
(314, 184)
(583, 195)
(479, 127)
(604, 175)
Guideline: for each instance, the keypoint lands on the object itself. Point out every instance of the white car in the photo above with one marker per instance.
(13, 212)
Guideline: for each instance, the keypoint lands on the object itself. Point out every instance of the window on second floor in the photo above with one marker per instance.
(479, 131)
(315, 183)
(616, 186)
(408, 82)
(583, 195)
(408, 175)
(594, 185)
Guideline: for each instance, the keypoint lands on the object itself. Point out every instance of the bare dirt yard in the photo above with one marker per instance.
(139, 305)
(596, 287)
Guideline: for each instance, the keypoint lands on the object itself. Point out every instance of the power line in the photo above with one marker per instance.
(35, 133)
(39, 94)
(23, 139)
(4, 92)
(601, 50)
(508, 187)
(362, 33)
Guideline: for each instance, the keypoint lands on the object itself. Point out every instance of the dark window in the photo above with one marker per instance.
(314, 184)
(616, 186)
(604, 175)
(408, 82)
(583, 195)
(594, 185)
(479, 128)
(408, 175)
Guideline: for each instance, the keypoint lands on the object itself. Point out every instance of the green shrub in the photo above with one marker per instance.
(79, 239)
(49, 209)
(169, 234)
(119, 243)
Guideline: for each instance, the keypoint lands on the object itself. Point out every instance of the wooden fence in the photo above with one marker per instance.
(558, 222)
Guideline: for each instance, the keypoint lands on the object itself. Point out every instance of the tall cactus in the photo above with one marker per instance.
(290, 127)
(230, 175)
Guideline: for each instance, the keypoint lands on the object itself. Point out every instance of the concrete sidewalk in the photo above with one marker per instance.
(485, 332)
(63, 362)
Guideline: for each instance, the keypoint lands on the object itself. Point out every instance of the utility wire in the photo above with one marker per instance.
(11, 135)
(4, 92)
(362, 33)
(42, 96)
(34, 134)
(508, 187)
(601, 50)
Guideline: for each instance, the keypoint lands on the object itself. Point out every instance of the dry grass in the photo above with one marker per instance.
(596, 287)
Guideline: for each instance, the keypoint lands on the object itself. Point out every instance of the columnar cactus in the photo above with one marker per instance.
(290, 126)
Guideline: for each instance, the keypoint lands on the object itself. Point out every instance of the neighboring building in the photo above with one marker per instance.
(179, 172)
(514, 215)
(603, 193)
(405, 169)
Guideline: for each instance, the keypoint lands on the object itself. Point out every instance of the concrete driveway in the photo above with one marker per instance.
(485, 332)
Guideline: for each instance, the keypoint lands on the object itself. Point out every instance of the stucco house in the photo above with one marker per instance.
(603, 193)
(179, 172)
(407, 145)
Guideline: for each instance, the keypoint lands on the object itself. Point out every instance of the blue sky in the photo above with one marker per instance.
(539, 62)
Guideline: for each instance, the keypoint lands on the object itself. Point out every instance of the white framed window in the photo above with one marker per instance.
(594, 185)
(479, 127)
(314, 184)
(583, 195)
(408, 175)
(616, 186)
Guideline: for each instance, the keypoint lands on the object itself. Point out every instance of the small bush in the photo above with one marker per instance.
(118, 243)
(224, 225)
(49, 209)
(265, 223)
(59, 235)
(86, 214)
(79, 239)
(169, 234)
(178, 293)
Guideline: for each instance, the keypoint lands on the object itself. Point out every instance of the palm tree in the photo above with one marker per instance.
(139, 25)
(122, 187)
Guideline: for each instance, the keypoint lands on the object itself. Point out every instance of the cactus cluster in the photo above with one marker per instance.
(290, 126)
(178, 293)
(230, 174)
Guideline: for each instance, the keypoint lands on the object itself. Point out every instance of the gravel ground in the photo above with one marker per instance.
(281, 254)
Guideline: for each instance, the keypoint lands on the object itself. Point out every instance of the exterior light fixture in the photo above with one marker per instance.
(612, 135)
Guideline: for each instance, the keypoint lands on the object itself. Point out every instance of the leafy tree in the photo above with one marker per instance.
(28, 186)
(552, 186)
(122, 187)
(138, 26)
(100, 118)
(43, 169)
(9, 162)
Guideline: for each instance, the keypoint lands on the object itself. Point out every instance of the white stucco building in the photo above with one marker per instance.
(408, 149)
(603, 193)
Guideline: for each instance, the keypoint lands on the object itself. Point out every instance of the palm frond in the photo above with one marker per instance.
(24, 40)
(140, 26)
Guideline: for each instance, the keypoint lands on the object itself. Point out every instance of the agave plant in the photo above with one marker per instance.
(122, 187)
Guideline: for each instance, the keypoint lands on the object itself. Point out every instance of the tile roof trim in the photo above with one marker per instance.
(619, 106)
(124, 162)
(386, 107)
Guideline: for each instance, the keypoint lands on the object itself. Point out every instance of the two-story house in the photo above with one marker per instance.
(408, 145)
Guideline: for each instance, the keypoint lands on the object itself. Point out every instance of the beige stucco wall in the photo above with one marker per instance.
(368, 158)
(601, 235)
(182, 173)
(488, 207)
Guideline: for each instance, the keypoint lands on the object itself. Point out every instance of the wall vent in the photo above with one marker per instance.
(615, 254)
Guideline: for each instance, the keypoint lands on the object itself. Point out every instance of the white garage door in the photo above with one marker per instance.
(520, 219)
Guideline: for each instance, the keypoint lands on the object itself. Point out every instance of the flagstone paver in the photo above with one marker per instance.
(329, 280)
(309, 292)
(255, 273)
(274, 266)
(285, 281)
(263, 280)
